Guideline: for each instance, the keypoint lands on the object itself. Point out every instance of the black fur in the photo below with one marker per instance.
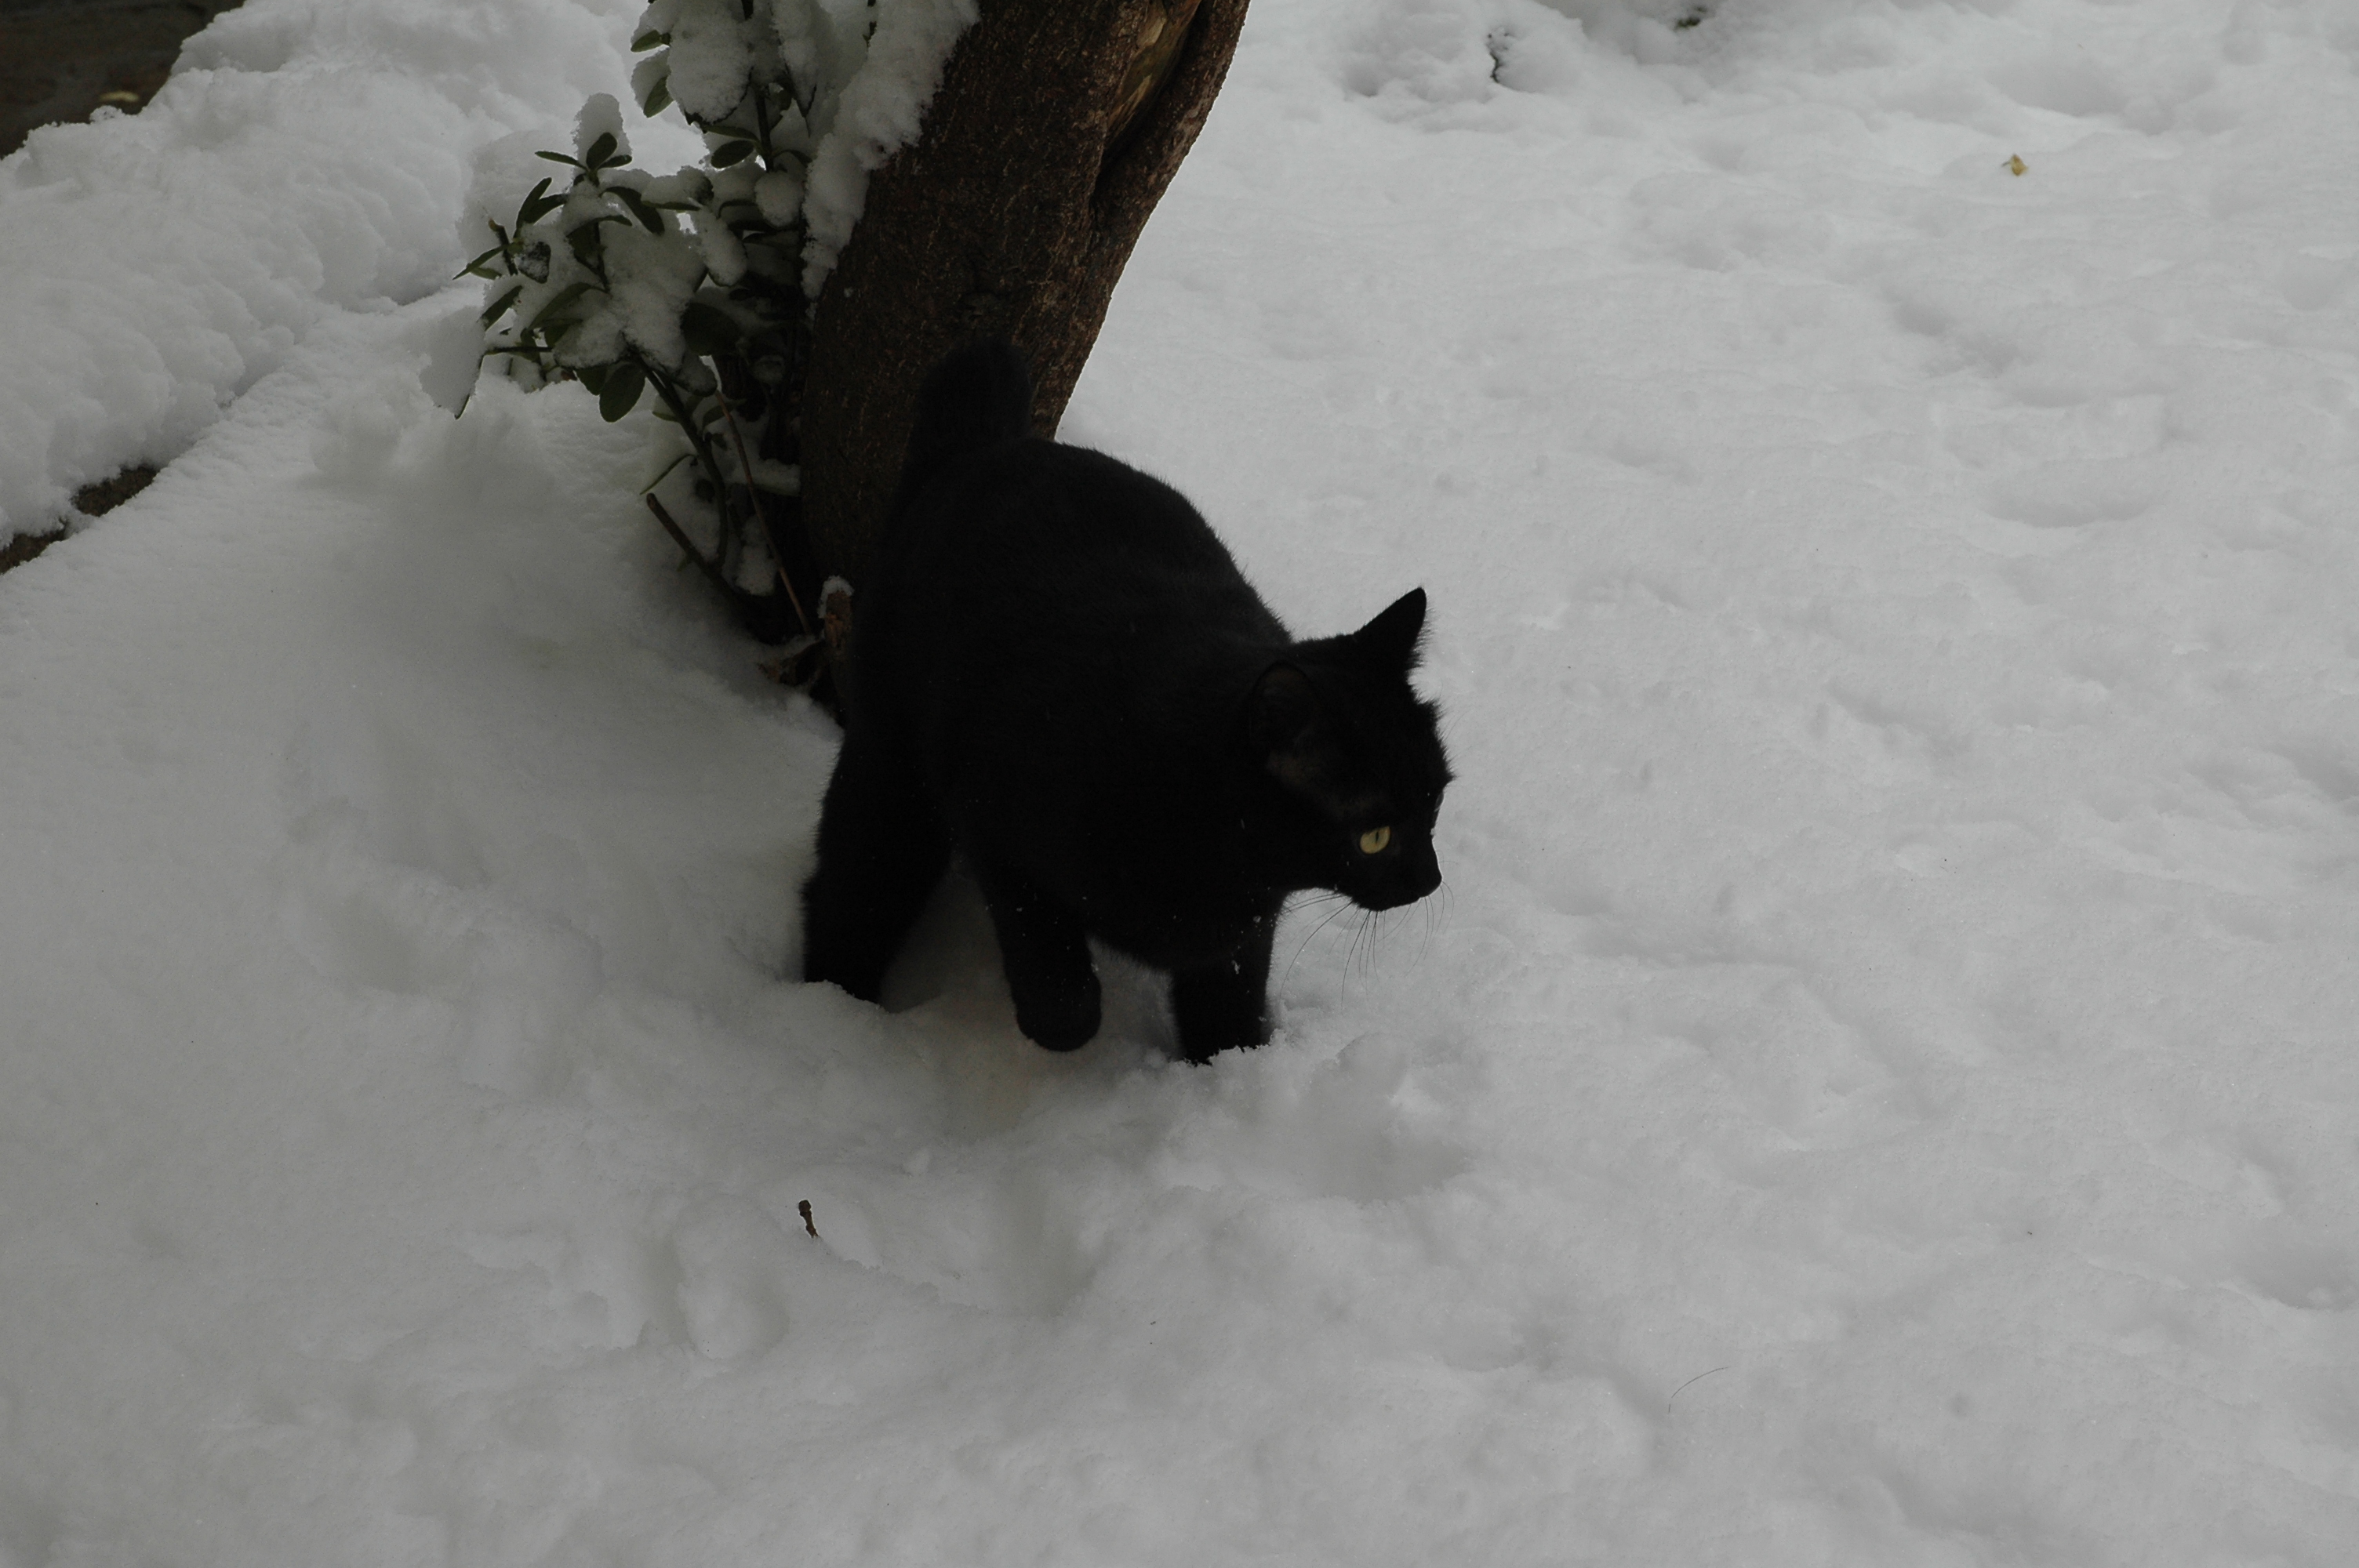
(1059, 672)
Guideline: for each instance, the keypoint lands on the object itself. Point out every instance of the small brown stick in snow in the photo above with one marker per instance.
(762, 515)
(687, 547)
(1699, 1377)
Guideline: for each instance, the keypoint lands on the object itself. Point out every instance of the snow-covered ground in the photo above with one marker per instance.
(1881, 1086)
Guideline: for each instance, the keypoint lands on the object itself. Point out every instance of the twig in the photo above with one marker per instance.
(805, 1207)
(1699, 1377)
(728, 590)
(762, 513)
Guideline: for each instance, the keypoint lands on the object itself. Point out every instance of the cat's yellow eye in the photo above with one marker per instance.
(1375, 839)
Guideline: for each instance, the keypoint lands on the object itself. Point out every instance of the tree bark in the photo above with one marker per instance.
(1056, 128)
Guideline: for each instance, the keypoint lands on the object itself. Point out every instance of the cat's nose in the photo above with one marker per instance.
(1413, 880)
(1424, 876)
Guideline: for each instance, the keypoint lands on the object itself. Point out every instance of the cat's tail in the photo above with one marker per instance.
(980, 395)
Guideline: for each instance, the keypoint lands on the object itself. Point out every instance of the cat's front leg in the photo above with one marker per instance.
(1046, 952)
(880, 854)
(1225, 1003)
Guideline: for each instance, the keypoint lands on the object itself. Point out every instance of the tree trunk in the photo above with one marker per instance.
(1056, 125)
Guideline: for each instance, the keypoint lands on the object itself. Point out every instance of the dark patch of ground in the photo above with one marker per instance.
(60, 59)
(89, 500)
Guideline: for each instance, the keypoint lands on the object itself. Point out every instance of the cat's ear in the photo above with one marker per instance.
(1391, 639)
(1282, 725)
(1281, 711)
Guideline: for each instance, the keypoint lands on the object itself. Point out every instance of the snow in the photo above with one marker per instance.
(711, 51)
(600, 116)
(876, 112)
(858, 76)
(1877, 1089)
(305, 159)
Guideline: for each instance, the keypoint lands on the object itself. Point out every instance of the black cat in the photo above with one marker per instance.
(1060, 673)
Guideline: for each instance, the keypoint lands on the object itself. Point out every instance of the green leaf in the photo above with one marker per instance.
(594, 377)
(480, 270)
(499, 307)
(560, 157)
(559, 301)
(665, 414)
(658, 98)
(537, 202)
(708, 328)
(620, 393)
(586, 242)
(639, 208)
(601, 152)
(649, 41)
(728, 153)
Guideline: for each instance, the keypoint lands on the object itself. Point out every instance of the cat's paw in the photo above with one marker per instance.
(1062, 1020)
(830, 960)
(864, 982)
(1218, 1010)
(1202, 1045)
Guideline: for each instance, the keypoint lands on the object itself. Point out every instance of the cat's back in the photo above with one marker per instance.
(1062, 644)
(1042, 551)
(991, 517)
(1048, 632)
(1028, 513)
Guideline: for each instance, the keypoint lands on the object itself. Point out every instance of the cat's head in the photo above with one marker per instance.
(1355, 755)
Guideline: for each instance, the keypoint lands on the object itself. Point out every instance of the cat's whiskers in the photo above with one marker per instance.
(1368, 935)
(1350, 952)
(1341, 903)
(1364, 948)
(1429, 920)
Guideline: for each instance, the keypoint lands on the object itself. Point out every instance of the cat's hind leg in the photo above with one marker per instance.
(881, 851)
(1225, 1003)
(1046, 952)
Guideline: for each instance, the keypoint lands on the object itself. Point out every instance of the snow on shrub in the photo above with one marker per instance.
(696, 286)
